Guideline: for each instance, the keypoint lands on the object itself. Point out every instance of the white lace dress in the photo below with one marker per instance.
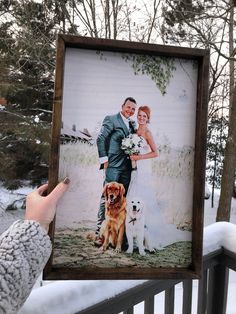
(143, 186)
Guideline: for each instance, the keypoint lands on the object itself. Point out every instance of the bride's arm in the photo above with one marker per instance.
(150, 140)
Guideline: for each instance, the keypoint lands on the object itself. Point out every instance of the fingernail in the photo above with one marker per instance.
(66, 180)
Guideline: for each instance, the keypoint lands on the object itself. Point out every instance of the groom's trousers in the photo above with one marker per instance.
(117, 175)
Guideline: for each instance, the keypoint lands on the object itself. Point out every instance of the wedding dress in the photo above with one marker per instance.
(142, 186)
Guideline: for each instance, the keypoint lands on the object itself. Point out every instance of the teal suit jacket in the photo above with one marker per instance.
(109, 142)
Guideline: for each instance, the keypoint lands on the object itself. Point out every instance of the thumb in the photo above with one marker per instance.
(59, 190)
(43, 188)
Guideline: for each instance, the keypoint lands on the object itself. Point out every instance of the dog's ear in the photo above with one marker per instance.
(105, 191)
(122, 190)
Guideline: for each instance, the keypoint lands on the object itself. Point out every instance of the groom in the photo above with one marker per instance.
(113, 160)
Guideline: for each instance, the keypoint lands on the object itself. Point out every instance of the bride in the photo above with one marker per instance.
(142, 186)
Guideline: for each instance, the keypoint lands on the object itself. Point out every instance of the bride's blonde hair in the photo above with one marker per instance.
(147, 110)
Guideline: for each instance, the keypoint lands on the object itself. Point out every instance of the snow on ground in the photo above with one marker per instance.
(210, 212)
(7, 197)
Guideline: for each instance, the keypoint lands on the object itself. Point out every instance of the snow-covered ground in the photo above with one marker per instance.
(7, 197)
(210, 213)
(70, 296)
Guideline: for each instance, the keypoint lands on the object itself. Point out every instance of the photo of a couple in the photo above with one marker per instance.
(141, 206)
(127, 145)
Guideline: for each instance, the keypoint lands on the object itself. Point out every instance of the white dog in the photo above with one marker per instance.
(135, 226)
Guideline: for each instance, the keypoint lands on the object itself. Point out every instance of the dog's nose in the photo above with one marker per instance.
(111, 196)
(134, 208)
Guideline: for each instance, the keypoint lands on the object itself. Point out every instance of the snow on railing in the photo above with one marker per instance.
(72, 296)
(221, 234)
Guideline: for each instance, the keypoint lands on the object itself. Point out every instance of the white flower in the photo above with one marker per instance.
(136, 139)
(132, 144)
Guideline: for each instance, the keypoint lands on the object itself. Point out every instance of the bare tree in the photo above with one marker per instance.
(223, 212)
(210, 25)
(228, 176)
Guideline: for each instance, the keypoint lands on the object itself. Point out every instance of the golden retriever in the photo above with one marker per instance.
(113, 227)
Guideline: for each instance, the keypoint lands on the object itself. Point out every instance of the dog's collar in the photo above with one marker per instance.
(132, 220)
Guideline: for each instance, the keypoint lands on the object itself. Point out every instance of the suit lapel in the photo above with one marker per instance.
(123, 125)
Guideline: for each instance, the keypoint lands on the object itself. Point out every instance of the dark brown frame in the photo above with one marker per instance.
(202, 57)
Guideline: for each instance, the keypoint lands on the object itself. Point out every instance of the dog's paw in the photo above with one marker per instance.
(142, 253)
(129, 251)
(151, 250)
(102, 249)
(117, 249)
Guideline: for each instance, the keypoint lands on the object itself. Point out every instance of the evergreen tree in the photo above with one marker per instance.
(27, 59)
(28, 51)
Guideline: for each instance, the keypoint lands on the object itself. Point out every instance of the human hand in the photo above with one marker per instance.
(105, 165)
(134, 157)
(43, 208)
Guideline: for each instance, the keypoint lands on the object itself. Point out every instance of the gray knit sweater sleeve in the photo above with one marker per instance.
(24, 250)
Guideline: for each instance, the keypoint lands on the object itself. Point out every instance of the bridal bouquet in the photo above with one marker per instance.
(132, 145)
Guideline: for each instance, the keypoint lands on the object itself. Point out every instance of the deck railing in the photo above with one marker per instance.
(212, 291)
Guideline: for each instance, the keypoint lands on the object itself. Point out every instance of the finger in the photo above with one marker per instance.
(43, 188)
(58, 191)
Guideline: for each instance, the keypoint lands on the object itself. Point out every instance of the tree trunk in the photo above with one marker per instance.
(214, 179)
(234, 188)
(227, 183)
(231, 54)
(223, 211)
(231, 65)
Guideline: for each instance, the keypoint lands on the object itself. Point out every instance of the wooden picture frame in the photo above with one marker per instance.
(93, 77)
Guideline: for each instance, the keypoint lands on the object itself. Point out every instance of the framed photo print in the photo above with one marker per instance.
(129, 130)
